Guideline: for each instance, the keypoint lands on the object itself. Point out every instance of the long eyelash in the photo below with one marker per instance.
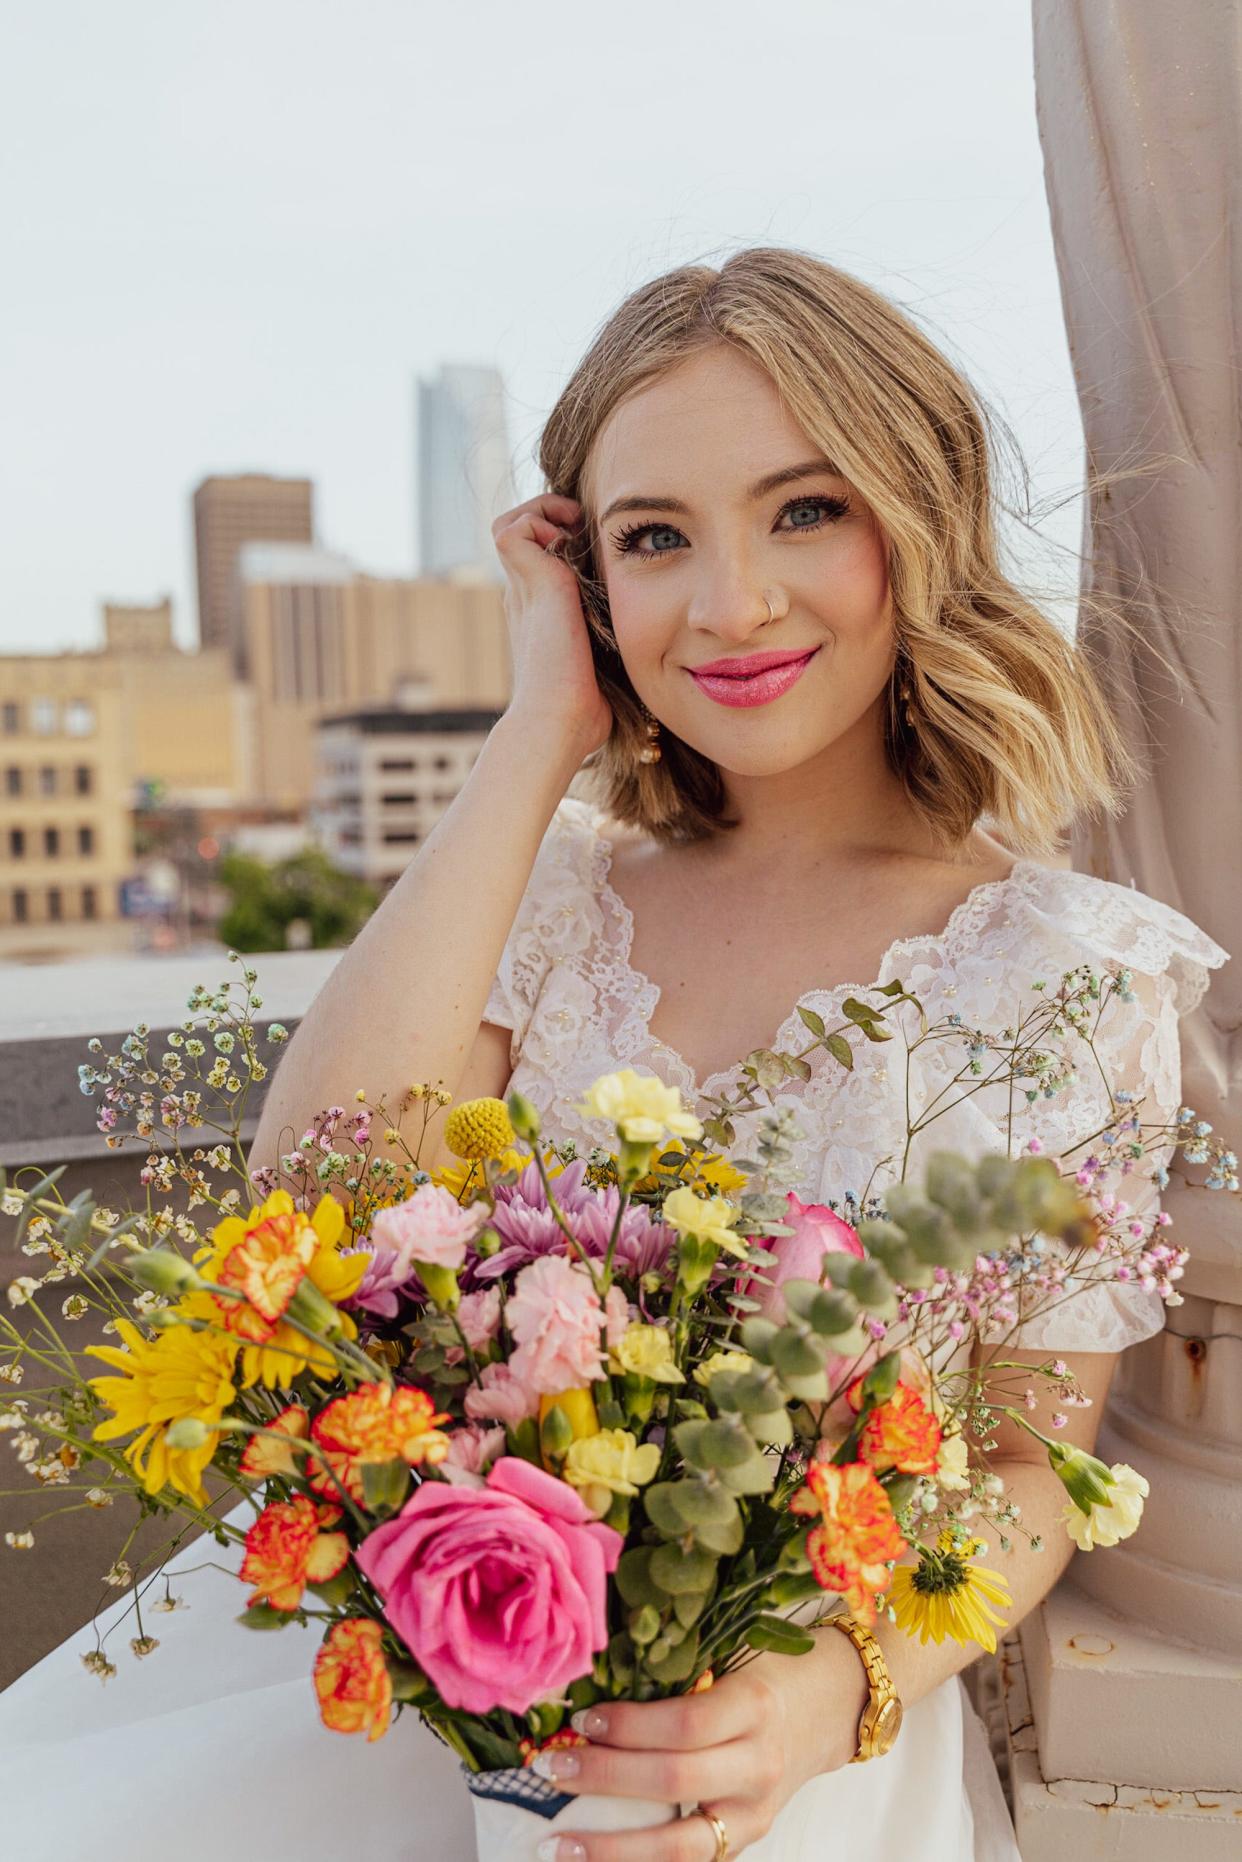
(624, 544)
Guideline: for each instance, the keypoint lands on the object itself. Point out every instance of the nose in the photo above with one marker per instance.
(730, 604)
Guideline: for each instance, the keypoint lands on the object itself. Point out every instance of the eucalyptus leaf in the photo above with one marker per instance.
(677, 1664)
(813, 1021)
(634, 1578)
(840, 1050)
(780, 1636)
(677, 1571)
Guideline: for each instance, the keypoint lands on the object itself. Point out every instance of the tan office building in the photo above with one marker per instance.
(321, 638)
(187, 722)
(385, 776)
(65, 834)
(229, 512)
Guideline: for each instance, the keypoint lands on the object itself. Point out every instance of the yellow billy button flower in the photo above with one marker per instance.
(945, 1594)
(1111, 1520)
(642, 1108)
(647, 1351)
(179, 1374)
(608, 1463)
(578, 1407)
(478, 1128)
(711, 1218)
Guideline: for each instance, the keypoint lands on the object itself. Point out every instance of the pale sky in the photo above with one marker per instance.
(233, 233)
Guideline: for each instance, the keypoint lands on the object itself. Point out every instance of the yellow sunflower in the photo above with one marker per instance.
(275, 1352)
(945, 1594)
(180, 1373)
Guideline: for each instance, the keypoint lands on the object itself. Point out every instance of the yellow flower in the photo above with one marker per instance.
(608, 1463)
(647, 1351)
(478, 1128)
(711, 1218)
(579, 1407)
(277, 1357)
(181, 1373)
(953, 1469)
(466, 1181)
(722, 1361)
(1111, 1520)
(711, 1173)
(641, 1107)
(945, 1595)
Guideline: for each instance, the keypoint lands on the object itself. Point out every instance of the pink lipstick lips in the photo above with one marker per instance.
(751, 678)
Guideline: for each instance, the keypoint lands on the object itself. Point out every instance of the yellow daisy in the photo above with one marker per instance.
(180, 1373)
(947, 1595)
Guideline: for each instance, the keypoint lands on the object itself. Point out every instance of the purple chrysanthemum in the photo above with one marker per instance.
(528, 1229)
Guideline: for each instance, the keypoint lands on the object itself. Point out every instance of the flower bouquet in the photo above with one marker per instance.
(537, 1430)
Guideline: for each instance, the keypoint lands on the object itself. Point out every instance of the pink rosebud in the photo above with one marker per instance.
(471, 1452)
(816, 1232)
(478, 1315)
(430, 1226)
(500, 1591)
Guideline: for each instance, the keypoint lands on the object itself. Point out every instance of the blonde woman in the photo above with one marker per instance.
(826, 742)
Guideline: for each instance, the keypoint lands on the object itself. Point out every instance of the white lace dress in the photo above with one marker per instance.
(215, 1741)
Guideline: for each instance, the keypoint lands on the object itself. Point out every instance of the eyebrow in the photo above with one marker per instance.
(809, 468)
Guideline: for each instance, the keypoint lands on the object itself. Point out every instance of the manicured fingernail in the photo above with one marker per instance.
(590, 1722)
(556, 1765)
(561, 1849)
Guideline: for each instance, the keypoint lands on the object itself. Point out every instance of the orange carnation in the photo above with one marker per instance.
(265, 1455)
(555, 1742)
(352, 1679)
(287, 1549)
(901, 1433)
(266, 1263)
(375, 1422)
(856, 1534)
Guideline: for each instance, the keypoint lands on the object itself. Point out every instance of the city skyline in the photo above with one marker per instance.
(185, 305)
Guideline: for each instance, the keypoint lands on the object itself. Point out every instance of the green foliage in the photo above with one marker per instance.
(266, 899)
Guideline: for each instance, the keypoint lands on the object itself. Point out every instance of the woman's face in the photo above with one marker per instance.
(688, 561)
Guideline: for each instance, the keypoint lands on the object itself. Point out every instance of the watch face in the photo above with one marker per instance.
(887, 1726)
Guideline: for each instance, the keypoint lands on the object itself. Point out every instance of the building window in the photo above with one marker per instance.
(12, 780)
(86, 840)
(82, 783)
(21, 905)
(398, 798)
(79, 717)
(47, 780)
(396, 766)
(17, 843)
(51, 842)
(53, 902)
(10, 717)
(442, 762)
(90, 907)
(399, 837)
(44, 716)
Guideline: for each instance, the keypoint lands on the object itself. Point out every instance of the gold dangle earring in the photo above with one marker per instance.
(651, 752)
(905, 695)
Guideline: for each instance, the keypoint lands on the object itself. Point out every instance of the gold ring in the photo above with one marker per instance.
(718, 1831)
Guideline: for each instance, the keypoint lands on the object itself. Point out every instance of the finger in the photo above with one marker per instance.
(677, 1725)
(667, 1777)
(549, 504)
(531, 529)
(688, 1839)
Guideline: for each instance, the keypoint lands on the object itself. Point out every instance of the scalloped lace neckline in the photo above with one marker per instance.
(645, 989)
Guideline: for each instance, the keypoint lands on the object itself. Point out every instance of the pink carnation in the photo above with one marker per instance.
(616, 1315)
(499, 1592)
(555, 1316)
(430, 1226)
(500, 1397)
(471, 1452)
(478, 1315)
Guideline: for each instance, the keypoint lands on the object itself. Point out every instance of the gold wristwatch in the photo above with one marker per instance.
(881, 1717)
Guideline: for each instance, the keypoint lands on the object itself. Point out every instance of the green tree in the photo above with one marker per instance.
(264, 901)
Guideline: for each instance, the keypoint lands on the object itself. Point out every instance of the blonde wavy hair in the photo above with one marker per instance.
(1008, 719)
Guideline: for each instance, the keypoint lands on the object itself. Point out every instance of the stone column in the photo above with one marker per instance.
(1124, 1723)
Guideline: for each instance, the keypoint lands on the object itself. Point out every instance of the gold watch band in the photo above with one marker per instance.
(881, 1717)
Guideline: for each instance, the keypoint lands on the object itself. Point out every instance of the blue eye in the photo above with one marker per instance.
(625, 540)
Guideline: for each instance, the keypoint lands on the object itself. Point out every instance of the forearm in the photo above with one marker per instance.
(405, 1000)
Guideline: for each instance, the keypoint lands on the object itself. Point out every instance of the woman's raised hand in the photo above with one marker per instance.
(554, 683)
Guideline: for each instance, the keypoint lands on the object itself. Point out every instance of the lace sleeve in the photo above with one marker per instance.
(549, 923)
(1139, 1057)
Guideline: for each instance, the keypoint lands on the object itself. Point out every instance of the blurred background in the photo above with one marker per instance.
(289, 290)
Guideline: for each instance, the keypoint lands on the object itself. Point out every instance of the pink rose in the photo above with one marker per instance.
(816, 1232)
(471, 1451)
(499, 1592)
(556, 1319)
(430, 1226)
(499, 1396)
